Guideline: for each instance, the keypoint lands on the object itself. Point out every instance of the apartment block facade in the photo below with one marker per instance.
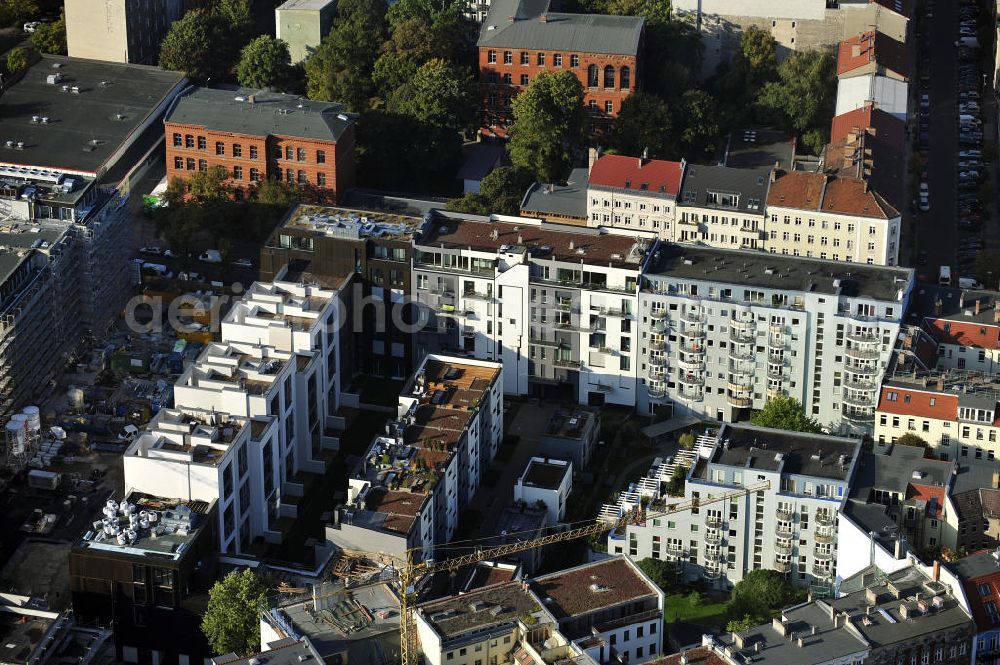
(723, 206)
(790, 526)
(262, 135)
(518, 40)
(249, 416)
(634, 193)
(724, 331)
(555, 305)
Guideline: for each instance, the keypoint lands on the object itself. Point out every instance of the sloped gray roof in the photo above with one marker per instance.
(528, 24)
(270, 113)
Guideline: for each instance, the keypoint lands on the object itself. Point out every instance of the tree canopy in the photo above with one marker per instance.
(644, 122)
(986, 268)
(232, 619)
(760, 593)
(16, 11)
(911, 439)
(500, 192)
(548, 123)
(206, 42)
(663, 573)
(51, 37)
(17, 59)
(804, 94)
(440, 95)
(341, 69)
(783, 412)
(701, 134)
(758, 53)
(264, 63)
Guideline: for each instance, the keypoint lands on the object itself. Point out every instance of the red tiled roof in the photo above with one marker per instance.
(798, 189)
(977, 600)
(698, 656)
(870, 46)
(945, 405)
(828, 193)
(652, 175)
(887, 128)
(934, 496)
(961, 333)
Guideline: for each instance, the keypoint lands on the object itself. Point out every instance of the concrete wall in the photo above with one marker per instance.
(303, 29)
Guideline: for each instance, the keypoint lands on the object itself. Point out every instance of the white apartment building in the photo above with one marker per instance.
(634, 193)
(275, 370)
(817, 215)
(409, 489)
(723, 331)
(791, 526)
(546, 480)
(723, 206)
(555, 305)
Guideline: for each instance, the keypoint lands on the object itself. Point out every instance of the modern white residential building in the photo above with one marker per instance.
(556, 305)
(818, 215)
(723, 331)
(634, 193)
(408, 490)
(887, 93)
(547, 481)
(249, 415)
(790, 526)
(602, 612)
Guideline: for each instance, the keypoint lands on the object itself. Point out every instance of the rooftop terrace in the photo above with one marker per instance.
(144, 525)
(352, 224)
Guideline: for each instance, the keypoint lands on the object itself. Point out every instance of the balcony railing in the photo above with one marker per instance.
(822, 554)
(691, 363)
(739, 402)
(691, 395)
(715, 555)
(691, 332)
(784, 530)
(784, 514)
(567, 363)
(821, 571)
(742, 337)
(854, 384)
(772, 393)
(823, 537)
(713, 521)
(658, 314)
(656, 361)
(739, 387)
(476, 295)
(859, 417)
(777, 329)
(826, 519)
(860, 401)
(861, 353)
(862, 370)
(693, 348)
(713, 538)
(863, 338)
(737, 353)
(783, 566)
(657, 395)
(690, 316)
(783, 548)
(711, 573)
(741, 324)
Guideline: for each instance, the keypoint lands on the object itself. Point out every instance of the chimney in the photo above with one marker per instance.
(937, 569)
(864, 184)
(251, 99)
(572, 246)
(996, 315)
(996, 480)
(739, 640)
(798, 642)
(593, 154)
(812, 630)
(833, 613)
(977, 306)
(871, 597)
(510, 19)
(543, 19)
(937, 307)
(774, 175)
(940, 383)
(961, 300)
(779, 626)
(756, 646)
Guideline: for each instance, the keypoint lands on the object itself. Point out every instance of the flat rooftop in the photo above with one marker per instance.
(479, 610)
(545, 474)
(520, 523)
(776, 271)
(352, 224)
(815, 455)
(569, 424)
(20, 635)
(542, 242)
(976, 565)
(161, 527)
(17, 242)
(84, 130)
(569, 200)
(287, 651)
(591, 587)
(760, 148)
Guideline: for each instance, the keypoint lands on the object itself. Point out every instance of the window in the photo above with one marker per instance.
(178, 163)
(508, 58)
(525, 58)
(524, 79)
(237, 150)
(302, 179)
(321, 157)
(540, 60)
(253, 152)
(557, 59)
(491, 57)
(289, 153)
(188, 141)
(202, 143)
(574, 60)
(321, 180)
(202, 164)
(289, 175)
(190, 163)
(624, 77)
(609, 76)
(254, 174)
(237, 173)
(300, 154)
(178, 141)
(592, 74)
(507, 78)
(609, 106)
(220, 148)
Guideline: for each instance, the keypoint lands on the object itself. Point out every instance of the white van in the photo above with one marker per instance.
(944, 276)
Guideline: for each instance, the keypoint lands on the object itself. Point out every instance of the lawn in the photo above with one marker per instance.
(706, 612)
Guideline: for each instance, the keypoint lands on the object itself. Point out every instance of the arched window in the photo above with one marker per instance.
(624, 77)
(592, 75)
(609, 77)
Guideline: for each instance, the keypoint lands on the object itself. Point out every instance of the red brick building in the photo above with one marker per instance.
(262, 135)
(522, 38)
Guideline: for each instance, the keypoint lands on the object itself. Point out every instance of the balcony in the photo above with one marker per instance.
(567, 363)
(713, 538)
(657, 346)
(691, 332)
(742, 336)
(691, 394)
(713, 521)
(742, 325)
(772, 393)
(615, 312)
(862, 353)
(711, 573)
(863, 370)
(823, 537)
(693, 348)
(658, 395)
(863, 337)
(472, 294)
(661, 326)
(657, 361)
(658, 314)
(742, 371)
(693, 317)
(691, 363)
(740, 387)
(714, 555)
(675, 549)
(784, 514)
(785, 530)
(447, 309)
(656, 374)
(468, 333)
(776, 343)
(739, 402)
(859, 401)
(777, 329)
(821, 571)
(776, 361)
(783, 548)
(783, 566)
(822, 554)
(738, 353)
(826, 519)
(855, 384)
(859, 418)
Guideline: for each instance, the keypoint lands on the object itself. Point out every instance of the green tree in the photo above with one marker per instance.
(814, 140)
(911, 439)
(439, 95)
(760, 593)
(341, 68)
(13, 12)
(758, 51)
(209, 185)
(548, 125)
(232, 619)
(803, 97)
(17, 59)
(410, 46)
(500, 192)
(644, 122)
(51, 37)
(663, 573)
(739, 625)
(701, 134)
(277, 193)
(784, 412)
(399, 153)
(686, 440)
(189, 46)
(264, 63)
(654, 11)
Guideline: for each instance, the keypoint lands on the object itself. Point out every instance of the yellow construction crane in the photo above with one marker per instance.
(411, 571)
